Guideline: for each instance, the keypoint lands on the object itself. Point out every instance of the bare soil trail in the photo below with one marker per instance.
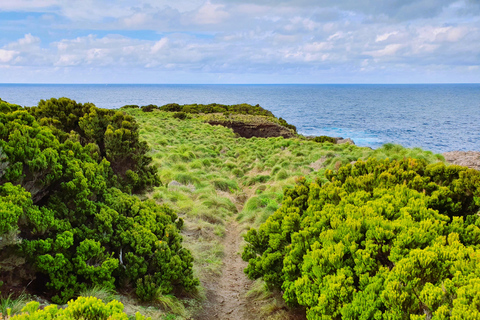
(226, 297)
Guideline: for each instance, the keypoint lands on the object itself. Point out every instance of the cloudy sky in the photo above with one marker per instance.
(239, 41)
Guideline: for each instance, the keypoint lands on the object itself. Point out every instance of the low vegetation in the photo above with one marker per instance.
(134, 204)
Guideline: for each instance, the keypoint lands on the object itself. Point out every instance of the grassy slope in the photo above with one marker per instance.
(224, 177)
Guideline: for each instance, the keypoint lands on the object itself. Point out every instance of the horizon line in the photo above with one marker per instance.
(338, 83)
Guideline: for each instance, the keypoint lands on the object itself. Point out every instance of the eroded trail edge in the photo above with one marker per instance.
(226, 296)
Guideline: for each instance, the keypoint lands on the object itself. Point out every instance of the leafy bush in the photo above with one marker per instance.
(111, 134)
(149, 108)
(322, 139)
(381, 239)
(217, 108)
(180, 115)
(86, 308)
(77, 229)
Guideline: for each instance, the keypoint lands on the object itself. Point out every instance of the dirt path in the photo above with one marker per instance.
(226, 296)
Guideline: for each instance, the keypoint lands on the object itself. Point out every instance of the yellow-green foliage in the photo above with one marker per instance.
(85, 308)
(380, 240)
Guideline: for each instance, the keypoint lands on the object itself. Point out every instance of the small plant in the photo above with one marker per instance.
(11, 305)
(322, 139)
(85, 308)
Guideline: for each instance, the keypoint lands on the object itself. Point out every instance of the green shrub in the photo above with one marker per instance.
(86, 308)
(381, 239)
(180, 115)
(77, 230)
(149, 108)
(322, 139)
(109, 134)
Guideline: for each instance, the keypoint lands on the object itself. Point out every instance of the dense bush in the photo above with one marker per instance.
(217, 108)
(180, 115)
(86, 308)
(63, 222)
(381, 240)
(112, 132)
(149, 108)
(322, 139)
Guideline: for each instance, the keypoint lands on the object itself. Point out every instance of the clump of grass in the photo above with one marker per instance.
(102, 293)
(238, 172)
(13, 305)
(170, 304)
(225, 184)
(257, 179)
(186, 178)
(217, 202)
(281, 175)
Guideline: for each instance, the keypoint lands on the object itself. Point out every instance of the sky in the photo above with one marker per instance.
(240, 41)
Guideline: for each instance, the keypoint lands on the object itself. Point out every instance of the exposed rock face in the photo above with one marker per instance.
(261, 130)
(469, 159)
(341, 140)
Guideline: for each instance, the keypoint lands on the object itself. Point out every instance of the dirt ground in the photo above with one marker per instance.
(226, 296)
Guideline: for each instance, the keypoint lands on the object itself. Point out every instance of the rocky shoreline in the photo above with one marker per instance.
(469, 159)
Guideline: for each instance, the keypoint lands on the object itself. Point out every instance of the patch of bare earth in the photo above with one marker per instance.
(226, 294)
(317, 165)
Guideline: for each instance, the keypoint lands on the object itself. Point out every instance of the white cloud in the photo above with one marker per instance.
(25, 43)
(389, 50)
(442, 34)
(211, 14)
(385, 36)
(7, 55)
(159, 45)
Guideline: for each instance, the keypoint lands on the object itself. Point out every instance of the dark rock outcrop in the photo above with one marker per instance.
(263, 129)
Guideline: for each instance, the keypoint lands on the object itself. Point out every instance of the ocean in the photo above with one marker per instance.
(435, 117)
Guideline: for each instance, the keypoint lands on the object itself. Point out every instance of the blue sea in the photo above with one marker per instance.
(436, 117)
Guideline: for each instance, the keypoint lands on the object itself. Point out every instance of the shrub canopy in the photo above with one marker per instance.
(381, 240)
(64, 217)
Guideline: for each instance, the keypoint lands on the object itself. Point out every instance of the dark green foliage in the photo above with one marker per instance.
(217, 108)
(113, 135)
(60, 197)
(149, 108)
(172, 107)
(180, 115)
(284, 123)
(130, 106)
(381, 240)
(322, 139)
